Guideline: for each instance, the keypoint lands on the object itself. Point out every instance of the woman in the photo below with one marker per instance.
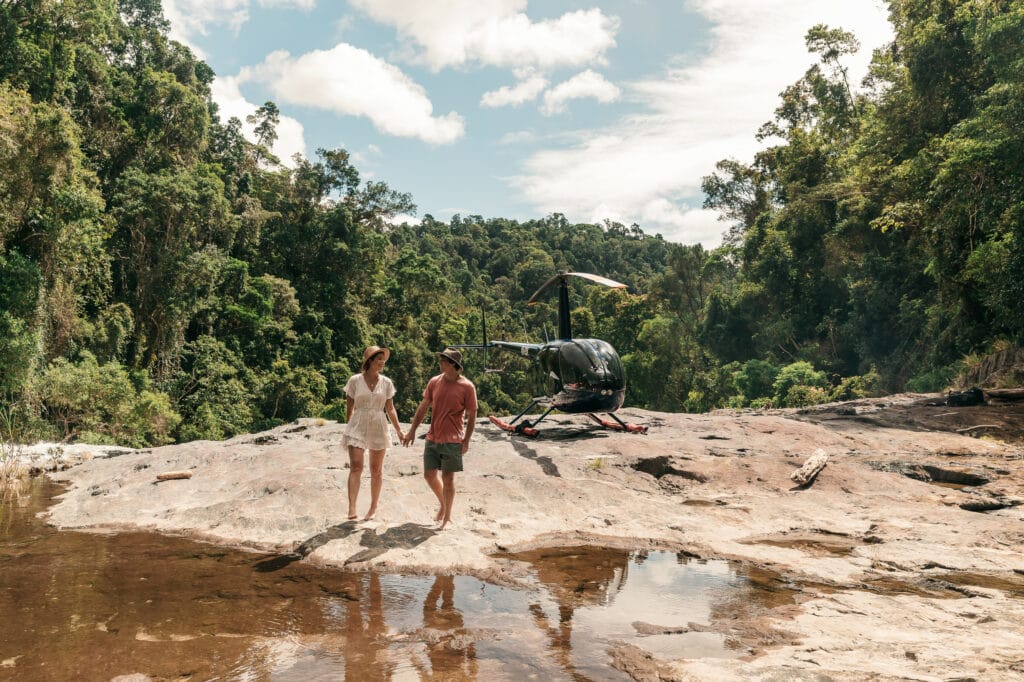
(369, 406)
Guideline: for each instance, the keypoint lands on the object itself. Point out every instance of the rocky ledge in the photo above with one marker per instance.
(906, 550)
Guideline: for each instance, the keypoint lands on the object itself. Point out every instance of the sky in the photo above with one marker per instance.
(601, 110)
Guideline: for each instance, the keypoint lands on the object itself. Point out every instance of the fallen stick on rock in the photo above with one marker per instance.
(979, 426)
(171, 475)
(805, 475)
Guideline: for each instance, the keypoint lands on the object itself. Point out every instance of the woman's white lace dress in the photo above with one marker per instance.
(368, 426)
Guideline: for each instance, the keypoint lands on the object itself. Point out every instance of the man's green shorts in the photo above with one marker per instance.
(443, 456)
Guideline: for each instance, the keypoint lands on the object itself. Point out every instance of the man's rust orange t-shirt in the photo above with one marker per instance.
(449, 401)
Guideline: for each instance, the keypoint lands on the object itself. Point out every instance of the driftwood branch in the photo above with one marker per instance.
(979, 426)
(805, 475)
(171, 475)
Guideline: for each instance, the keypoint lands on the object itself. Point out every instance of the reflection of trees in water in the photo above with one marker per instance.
(575, 577)
(579, 576)
(450, 648)
(739, 613)
(756, 590)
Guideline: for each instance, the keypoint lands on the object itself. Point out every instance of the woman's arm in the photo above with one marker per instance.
(389, 407)
(350, 406)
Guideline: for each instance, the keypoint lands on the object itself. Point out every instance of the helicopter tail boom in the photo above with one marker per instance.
(527, 349)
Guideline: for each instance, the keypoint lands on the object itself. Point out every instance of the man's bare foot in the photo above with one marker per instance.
(439, 515)
(444, 523)
(352, 515)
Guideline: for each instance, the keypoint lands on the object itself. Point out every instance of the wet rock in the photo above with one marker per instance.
(284, 494)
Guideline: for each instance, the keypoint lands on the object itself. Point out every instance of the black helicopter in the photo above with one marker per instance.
(579, 376)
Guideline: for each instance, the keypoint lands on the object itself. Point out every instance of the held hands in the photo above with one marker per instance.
(408, 438)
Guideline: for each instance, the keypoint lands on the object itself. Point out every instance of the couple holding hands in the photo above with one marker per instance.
(451, 399)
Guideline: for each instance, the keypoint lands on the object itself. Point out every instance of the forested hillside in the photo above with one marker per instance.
(164, 279)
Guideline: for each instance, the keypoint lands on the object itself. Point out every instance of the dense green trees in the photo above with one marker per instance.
(881, 231)
(162, 278)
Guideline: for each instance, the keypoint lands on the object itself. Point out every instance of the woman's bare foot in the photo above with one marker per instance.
(352, 515)
(369, 515)
(438, 516)
(444, 523)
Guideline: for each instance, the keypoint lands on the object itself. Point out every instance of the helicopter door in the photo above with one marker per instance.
(545, 374)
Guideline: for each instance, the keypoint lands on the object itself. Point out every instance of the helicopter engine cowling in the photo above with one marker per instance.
(583, 375)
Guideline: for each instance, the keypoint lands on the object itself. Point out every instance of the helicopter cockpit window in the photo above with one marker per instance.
(591, 364)
(609, 358)
(577, 367)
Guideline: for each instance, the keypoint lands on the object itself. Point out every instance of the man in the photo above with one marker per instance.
(451, 398)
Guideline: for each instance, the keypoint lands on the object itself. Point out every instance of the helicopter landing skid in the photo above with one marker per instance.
(617, 424)
(514, 428)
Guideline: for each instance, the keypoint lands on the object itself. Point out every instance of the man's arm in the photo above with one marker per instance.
(470, 424)
(471, 409)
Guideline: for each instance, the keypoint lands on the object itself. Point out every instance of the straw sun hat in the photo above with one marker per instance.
(374, 350)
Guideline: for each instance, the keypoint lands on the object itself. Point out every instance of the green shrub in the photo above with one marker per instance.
(862, 386)
(293, 392)
(336, 411)
(736, 402)
(802, 395)
(756, 379)
(935, 380)
(796, 374)
(101, 404)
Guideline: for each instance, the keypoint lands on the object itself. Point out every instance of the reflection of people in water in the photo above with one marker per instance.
(453, 655)
(366, 635)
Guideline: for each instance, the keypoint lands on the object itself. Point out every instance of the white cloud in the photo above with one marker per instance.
(495, 32)
(365, 159)
(190, 18)
(586, 84)
(352, 82)
(697, 114)
(525, 90)
(403, 218)
(305, 5)
(290, 133)
(518, 137)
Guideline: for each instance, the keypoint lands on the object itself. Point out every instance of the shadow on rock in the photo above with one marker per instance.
(546, 465)
(406, 536)
(342, 530)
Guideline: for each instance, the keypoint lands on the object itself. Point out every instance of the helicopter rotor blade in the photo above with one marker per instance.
(600, 280)
(560, 277)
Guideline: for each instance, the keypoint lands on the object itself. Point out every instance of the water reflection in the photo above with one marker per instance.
(366, 635)
(170, 608)
(665, 603)
(453, 654)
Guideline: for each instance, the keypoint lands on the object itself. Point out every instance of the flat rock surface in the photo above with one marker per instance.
(906, 551)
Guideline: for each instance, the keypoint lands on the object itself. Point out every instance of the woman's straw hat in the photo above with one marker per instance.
(374, 350)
